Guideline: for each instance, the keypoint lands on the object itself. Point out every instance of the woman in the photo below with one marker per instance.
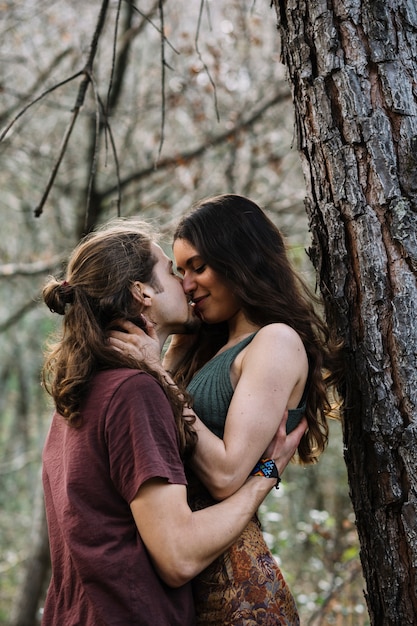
(261, 350)
(114, 482)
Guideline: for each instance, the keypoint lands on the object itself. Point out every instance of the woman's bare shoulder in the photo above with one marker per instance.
(278, 333)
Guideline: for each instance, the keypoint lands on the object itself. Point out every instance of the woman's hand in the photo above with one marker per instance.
(142, 345)
(177, 349)
(283, 447)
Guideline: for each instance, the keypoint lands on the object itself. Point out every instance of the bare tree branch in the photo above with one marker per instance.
(184, 157)
(96, 140)
(148, 19)
(4, 115)
(163, 63)
(13, 319)
(88, 72)
(30, 269)
(206, 69)
(103, 110)
(39, 209)
(90, 220)
(40, 97)
(27, 269)
(117, 165)
(116, 29)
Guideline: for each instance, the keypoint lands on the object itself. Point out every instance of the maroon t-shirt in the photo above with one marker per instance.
(101, 571)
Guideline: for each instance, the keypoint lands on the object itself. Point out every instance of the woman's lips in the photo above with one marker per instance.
(196, 303)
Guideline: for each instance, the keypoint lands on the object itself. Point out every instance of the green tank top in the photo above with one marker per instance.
(212, 391)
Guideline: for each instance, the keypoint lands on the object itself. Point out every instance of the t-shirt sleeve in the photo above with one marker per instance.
(141, 436)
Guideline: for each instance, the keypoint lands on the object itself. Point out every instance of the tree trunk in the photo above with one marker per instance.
(352, 66)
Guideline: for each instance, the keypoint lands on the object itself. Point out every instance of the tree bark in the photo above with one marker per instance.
(352, 65)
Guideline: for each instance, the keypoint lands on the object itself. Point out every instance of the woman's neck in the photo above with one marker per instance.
(239, 328)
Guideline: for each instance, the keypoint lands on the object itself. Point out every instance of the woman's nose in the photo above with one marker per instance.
(188, 284)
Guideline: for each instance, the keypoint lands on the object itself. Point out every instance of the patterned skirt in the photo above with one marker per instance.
(244, 586)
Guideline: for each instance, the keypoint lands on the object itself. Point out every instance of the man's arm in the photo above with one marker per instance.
(182, 542)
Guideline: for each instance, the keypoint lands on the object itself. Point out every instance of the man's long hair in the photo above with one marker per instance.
(96, 292)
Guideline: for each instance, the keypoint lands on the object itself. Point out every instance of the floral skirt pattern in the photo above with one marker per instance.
(244, 586)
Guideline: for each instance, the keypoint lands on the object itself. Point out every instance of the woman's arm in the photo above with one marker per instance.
(270, 377)
(178, 347)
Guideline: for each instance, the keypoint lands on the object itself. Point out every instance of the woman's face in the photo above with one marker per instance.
(212, 298)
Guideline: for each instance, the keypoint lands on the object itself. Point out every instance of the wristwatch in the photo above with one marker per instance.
(267, 468)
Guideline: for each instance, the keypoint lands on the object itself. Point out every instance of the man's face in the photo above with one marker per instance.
(170, 309)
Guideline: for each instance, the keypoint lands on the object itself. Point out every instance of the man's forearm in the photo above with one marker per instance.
(218, 527)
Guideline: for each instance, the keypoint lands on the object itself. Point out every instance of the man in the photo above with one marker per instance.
(124, 542)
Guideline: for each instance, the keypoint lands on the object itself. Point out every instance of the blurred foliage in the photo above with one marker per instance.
(310, 527)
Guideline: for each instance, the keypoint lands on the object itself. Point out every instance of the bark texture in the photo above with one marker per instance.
(353, 69)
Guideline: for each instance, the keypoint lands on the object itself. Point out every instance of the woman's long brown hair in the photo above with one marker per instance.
(237, 240)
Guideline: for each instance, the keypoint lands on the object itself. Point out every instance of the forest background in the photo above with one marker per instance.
(164, 122)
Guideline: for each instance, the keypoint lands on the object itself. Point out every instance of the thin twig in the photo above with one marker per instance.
(103, 110)
(148, 19)
(117, 165)
(38, 210)
(93, 168)
(161, 141)
(4, 115)
(99, 28)
(106, 108)
(113, 59)
(42, 95)
(78, 104)
(116, 161)
(197, 34)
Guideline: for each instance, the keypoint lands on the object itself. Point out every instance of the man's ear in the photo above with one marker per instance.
(142, 292)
